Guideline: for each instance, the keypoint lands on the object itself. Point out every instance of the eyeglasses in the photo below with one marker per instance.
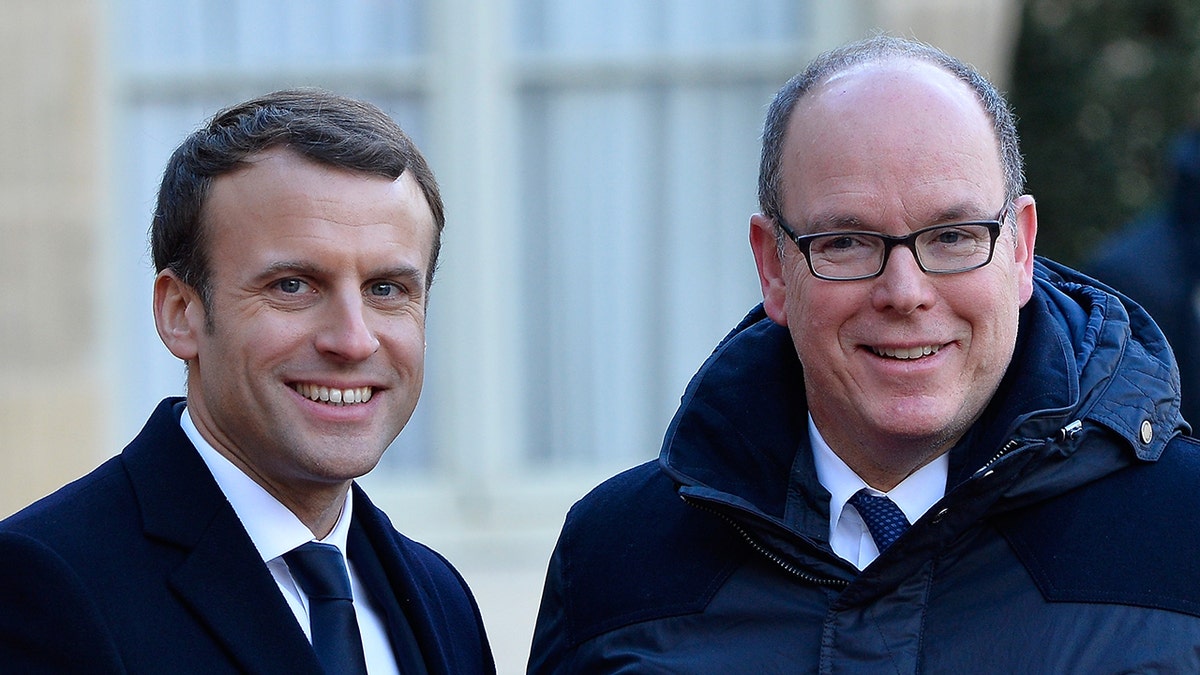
(941, 249)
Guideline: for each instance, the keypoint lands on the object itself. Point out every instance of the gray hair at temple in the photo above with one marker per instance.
(876, 49)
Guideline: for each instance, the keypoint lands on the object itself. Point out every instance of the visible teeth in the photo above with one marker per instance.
(908, 353)
(334, 396)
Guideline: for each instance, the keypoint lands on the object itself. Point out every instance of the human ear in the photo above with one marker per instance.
(1025, 212)
(765, 245)
(179, 315)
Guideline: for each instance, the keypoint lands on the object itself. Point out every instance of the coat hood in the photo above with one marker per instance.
(1089, 365)
(1128, 379)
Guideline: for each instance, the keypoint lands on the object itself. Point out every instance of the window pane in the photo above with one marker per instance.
(590, 314)
(637, 186)
(621, 26)
(637, 209)
(264, 35)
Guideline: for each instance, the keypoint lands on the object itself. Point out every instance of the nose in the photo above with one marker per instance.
(346, 333)
(902, 287)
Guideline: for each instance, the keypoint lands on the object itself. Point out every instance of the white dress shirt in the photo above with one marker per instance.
(275, 530)
(848, 534)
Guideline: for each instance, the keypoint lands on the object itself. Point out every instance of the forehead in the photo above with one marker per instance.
(899, 133)
(281, 202)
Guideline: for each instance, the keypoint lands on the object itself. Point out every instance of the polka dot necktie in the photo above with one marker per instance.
(884, 519)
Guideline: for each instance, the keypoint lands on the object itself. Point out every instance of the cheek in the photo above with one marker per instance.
(815, 322)
(821, 309)
(1006, 335)
(267, 342)
(405, 345)
(994, 331)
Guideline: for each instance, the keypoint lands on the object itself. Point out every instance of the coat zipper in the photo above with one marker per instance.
(1064, 434)
(769, 554)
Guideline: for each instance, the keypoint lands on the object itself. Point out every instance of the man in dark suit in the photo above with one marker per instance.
(295, 239)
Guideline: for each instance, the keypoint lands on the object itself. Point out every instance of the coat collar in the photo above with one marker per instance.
(223, 579)
(1083, 355)
(433, 598)
(221, 576)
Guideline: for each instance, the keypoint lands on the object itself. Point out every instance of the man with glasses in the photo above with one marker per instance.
(926, 451)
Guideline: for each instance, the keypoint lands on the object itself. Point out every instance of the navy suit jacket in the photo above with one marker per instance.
(142, 566)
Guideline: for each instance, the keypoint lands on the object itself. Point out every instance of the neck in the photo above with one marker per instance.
(883, 463)
(318, 510)
(883, 476)
(317, 504)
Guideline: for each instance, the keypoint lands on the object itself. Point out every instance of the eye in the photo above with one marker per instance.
(960, 235)
(949, 236)
(292, 285)
(840, 244)
(384, 289)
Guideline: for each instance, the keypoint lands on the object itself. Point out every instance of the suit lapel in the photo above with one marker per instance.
(425, 599)
(222, 577)
(371, 573)
(231, 591)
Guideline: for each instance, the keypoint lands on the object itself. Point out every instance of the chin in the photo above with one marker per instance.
(344, 467)
(911, 425)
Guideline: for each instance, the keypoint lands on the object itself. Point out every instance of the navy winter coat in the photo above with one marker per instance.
(1068, 540)
(143, 567)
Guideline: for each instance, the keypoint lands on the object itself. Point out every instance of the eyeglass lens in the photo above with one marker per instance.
(947, 248)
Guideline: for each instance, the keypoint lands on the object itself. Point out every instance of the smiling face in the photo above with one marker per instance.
(896, 368)
(312, 358)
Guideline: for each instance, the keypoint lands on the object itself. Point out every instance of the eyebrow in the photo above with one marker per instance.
(833, 223)
(408, 272)
(962, 213)
(288, 267)
(414, 275)
(957, 213)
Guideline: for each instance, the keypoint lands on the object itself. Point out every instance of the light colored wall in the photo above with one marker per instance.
(52, 397)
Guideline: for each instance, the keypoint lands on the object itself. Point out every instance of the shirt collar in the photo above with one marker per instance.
(914, 495)
(272, 527)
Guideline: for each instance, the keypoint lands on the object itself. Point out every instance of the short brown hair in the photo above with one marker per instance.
(319, 125)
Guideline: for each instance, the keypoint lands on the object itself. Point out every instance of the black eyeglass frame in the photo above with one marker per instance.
(803, 242)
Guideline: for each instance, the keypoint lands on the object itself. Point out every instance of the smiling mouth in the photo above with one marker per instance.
(906, 353)
(333, 395)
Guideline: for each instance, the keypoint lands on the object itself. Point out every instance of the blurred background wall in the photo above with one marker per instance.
(54, 235)
(598, 159)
